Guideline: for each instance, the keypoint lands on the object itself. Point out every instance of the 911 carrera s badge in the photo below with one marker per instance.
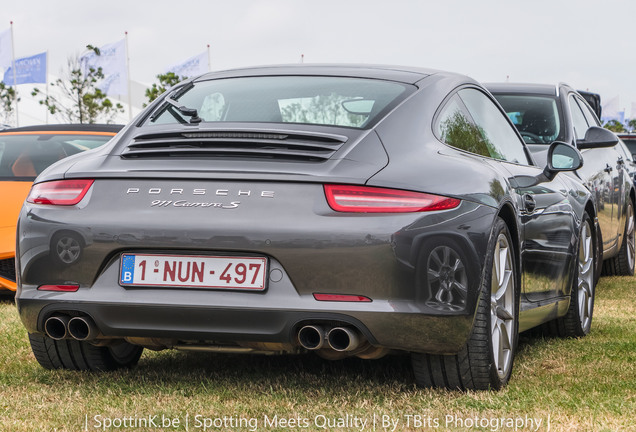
(184, 203)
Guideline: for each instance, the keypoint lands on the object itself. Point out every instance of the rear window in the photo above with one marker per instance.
(24, 157)
(331, 101)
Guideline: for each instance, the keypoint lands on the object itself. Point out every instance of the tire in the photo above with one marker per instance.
(623, 263)
(578, 320)
(485, 362)
(78, 355)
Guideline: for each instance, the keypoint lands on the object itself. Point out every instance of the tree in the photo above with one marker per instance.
(614, 126)
(166, 81)
(7, 101)
(80, 100)
(632, 124)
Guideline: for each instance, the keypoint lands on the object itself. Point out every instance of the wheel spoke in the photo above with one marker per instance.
(446, 252)
(504, 314)
(503, 287)
(460, 289)
(496, 265)
(458, 266)
(436, 258)
(584, 313)
(496, 345)
(433, 275)
(503, 257)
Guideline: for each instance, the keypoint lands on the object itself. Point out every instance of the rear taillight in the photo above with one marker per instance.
(363, 199)
(60, 192)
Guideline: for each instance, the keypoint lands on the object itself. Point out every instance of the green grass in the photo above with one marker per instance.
(586, 384)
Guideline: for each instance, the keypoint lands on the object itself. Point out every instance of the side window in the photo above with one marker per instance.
(578, 119)
(495, 128)
(589, 114)
(454, 127)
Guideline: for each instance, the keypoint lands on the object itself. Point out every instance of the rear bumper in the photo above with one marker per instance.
(408, 331)
(275, 315)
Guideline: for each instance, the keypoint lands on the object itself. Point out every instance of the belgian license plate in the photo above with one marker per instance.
(193, 271)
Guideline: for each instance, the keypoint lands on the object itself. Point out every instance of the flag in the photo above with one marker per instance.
(6, 49)
(112, 60)
(28, 70)
(193, 66)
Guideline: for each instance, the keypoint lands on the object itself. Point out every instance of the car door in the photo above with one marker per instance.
(602, 171)
(545, 214)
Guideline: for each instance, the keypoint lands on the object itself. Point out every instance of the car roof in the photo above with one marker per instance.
(407, 75)
(527, 88)
(75, 128)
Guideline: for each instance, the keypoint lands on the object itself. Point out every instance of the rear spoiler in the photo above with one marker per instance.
(594, 100)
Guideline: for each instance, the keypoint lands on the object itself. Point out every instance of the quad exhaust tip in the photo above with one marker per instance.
(56, 327)
(343, 339)
(80, 328)
(311, 337)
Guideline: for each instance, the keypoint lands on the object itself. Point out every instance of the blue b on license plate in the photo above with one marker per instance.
(193, 271)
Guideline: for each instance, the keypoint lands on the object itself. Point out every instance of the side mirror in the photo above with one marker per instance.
(597, 137)
(358, 106)
(562, 157)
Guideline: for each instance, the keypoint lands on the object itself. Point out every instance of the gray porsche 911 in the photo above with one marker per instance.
(345, 210)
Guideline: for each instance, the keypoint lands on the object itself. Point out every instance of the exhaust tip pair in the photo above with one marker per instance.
(341, 339)
(79, 328)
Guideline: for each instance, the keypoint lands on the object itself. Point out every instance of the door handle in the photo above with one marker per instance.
(529, 203)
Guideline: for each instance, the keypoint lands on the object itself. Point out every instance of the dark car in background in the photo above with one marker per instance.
(342, 210)
(547, 113)
(629, 139)
(24, 153)
(628, 156)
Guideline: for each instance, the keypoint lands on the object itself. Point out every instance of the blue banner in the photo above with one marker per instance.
(29, 70)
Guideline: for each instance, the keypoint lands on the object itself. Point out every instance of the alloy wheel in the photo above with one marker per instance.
(585, 286)
(630, 236)
(502, 307)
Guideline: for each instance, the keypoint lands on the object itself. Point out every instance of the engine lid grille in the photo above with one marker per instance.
(311, 147)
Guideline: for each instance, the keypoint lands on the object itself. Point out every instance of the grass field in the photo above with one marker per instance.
(584, 384)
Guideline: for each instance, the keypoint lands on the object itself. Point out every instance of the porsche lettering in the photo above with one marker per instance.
(216, 192)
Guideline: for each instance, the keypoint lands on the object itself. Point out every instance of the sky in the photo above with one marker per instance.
(587, 44)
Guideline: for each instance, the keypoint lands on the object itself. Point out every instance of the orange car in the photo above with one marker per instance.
(24, 153)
